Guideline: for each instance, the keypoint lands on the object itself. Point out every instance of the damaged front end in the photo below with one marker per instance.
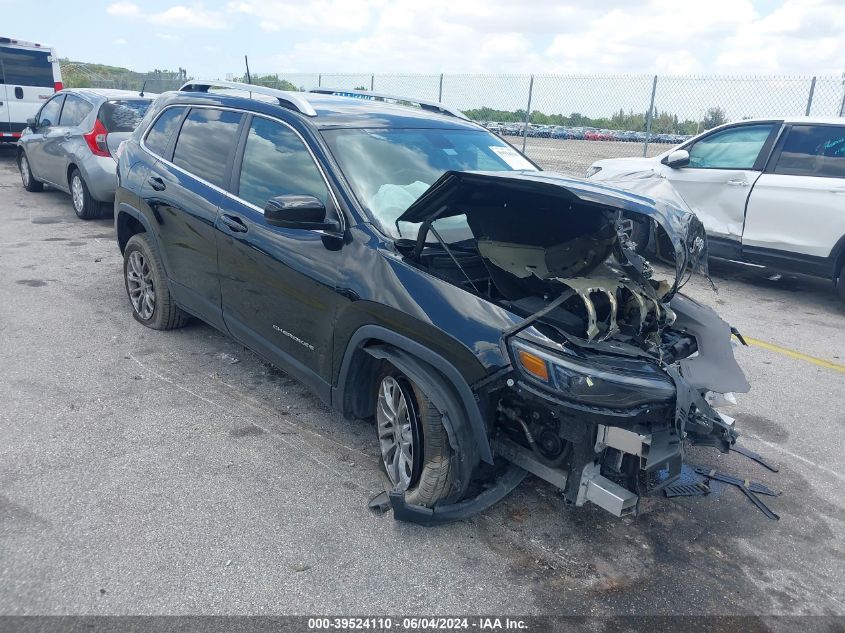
(611, 368)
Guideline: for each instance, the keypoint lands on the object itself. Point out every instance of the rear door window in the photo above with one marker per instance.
(159, 135)
(49, 114)
(26, 68)
(205, 142)
(75, 111)
(813, 150)
(733, 148)
(123, 115)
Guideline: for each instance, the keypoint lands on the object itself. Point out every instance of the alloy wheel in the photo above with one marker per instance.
(395, 420)
(139, 283)
(25, 175)
(77, 192)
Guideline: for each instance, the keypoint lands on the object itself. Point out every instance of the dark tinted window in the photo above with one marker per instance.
(26, 68)
(75, 110)
(159, 135)
(813, 150)
(276, 163)
(204, 143)
(49, 114)
(123, 115)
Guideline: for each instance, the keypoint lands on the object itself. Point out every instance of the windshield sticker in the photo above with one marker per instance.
(512, 157)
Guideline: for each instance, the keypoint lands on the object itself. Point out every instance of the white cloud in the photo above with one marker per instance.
(178, 16)
(194, 16)
(123, 8)
(601, 36)
(167, 37)
(120, 42)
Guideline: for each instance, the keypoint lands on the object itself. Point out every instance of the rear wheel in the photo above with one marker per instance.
(85, 206)
(840, 285)
(28, 180)
(146, 286)
(414, 444)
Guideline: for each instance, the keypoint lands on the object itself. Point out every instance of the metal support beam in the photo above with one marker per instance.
(527, 113)
(810, 98)
(440, 91)
(372, 83)
(649, 117)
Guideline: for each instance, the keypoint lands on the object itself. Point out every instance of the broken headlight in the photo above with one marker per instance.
(610, 382)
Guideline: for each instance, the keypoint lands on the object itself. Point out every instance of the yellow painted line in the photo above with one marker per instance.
(797, 355)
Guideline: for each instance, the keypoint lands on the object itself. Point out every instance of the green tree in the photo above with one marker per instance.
(713, 117)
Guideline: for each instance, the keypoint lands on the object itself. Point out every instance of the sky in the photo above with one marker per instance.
(209, 38)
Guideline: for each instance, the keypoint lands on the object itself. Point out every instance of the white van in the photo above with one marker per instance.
(29, 75)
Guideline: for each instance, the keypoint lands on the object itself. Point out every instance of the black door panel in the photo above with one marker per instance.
(186, 210)
(278, 288)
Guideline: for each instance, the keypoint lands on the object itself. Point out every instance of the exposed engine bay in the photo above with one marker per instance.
(612, 368)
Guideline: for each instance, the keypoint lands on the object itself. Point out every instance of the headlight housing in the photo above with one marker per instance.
(592, 171)
(611, 382)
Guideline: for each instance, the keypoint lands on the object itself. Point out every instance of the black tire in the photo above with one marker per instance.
(640, 234)
(432, 473)
(28, 180)
(142, 269)
(85, 206)
(840, 284)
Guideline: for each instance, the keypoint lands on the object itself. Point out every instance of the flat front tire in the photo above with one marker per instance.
(414, 444)
(146, 286)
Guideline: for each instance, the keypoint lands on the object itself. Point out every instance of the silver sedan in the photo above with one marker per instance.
(70, 144)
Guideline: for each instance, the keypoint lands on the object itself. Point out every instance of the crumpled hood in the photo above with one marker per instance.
(455, 191)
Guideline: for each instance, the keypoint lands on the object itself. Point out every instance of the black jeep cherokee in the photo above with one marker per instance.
(412, 267)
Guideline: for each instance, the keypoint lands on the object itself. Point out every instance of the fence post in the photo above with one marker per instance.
(810, 98)
(319, 80)
(842, 107)
(372, 82)
(440, 91)
(527, 113)
(649, 117)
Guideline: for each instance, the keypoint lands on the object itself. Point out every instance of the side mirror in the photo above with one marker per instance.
(678, 158)
(298, 212)
(31, 123)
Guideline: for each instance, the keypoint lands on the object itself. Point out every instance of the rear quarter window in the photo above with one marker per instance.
(26, 68)
(159, 135)
(123, 115)
(813, 150)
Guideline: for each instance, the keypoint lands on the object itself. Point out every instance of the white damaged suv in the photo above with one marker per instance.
(768, 191)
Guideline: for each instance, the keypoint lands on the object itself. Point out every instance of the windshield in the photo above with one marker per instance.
(389, 169)
(123, 115)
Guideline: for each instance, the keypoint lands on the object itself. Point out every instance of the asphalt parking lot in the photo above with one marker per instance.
(175, 473)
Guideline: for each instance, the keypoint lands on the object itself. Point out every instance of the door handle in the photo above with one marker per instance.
(157, 183)
(736, 182)
(234, 224)
(840, 191)
(67, 136)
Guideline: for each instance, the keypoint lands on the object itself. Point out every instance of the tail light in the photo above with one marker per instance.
(96, 139)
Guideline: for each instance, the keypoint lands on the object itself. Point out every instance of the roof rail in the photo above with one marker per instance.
(287, 99)
(432, 106)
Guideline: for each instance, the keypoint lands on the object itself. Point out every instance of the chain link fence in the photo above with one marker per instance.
(566, 122)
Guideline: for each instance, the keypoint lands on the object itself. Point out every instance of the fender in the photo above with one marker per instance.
(460, 436)
(132, 212)
(422, 356)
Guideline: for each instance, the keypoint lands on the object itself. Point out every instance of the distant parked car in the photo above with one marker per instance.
(71, 143)
(769, 192)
